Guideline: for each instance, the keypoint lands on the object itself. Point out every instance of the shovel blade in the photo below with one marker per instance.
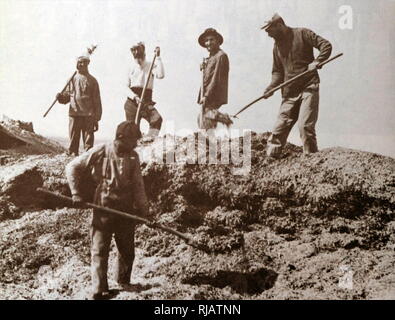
(210, 118)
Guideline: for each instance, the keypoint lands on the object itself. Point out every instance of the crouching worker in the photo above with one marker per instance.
(115, 169)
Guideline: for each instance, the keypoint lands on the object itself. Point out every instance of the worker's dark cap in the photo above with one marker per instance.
(210, 31)
(275, 19)
(128, 129)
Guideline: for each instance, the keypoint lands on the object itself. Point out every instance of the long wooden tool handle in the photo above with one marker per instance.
(204, 65)
(136, 120)
(121, 214)
(287, 83)
(202, 93)
(56, 99)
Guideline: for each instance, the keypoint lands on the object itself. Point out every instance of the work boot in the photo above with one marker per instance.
(103, 295)
(150, 136)
(126, 286)
(153, 132)
(274, 150)
(72, 154)
(144, 141)
(95, 296)
(130, 287)
(147, 139)
(307, 154)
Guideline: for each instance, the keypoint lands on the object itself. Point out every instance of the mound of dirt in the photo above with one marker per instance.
(19, 138)
(296, 228)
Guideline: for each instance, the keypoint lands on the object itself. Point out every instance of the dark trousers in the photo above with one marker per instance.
(100, 248)
(147, 112)
(80, 125)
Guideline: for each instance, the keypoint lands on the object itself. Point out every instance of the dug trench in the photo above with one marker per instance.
(281, 231)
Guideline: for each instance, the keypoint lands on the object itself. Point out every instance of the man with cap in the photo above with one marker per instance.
(85, 109)
(214, 90)
(137, 77)
(115, 171)
(292, 55)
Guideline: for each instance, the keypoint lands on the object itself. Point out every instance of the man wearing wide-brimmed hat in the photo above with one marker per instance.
(214, 89)
(292, 55)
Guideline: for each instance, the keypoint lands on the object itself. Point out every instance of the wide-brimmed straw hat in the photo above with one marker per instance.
(210, 31)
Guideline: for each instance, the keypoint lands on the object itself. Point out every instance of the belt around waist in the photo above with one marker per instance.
(139, 92)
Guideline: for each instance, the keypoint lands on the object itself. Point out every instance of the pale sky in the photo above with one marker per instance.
(39, 41)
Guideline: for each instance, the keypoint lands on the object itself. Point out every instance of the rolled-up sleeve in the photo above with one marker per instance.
(159, 70)
(76, 169)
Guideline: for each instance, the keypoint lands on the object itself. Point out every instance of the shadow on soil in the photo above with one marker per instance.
(250, 283)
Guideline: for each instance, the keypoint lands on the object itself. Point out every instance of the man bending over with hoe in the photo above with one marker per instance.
(115, 169)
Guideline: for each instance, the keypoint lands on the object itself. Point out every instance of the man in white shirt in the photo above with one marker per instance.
(137, 78)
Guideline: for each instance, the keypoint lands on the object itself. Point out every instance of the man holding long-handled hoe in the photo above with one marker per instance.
(141, 81)
(115, 169)
(83, 94)
(292, 55)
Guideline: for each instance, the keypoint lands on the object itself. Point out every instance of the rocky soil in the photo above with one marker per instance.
(17, 137)
(316, 227)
